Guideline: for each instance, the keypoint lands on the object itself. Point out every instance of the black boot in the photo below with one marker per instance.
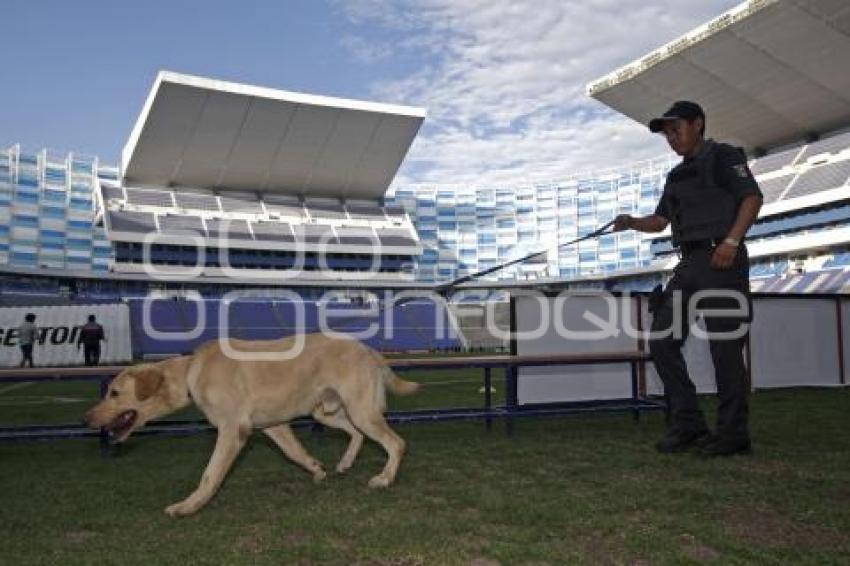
(680, 441)
(726, 447)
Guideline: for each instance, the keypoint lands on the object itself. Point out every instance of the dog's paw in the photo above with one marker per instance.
(319, 476)
(178, 510)
(341, 468)
(379, 481)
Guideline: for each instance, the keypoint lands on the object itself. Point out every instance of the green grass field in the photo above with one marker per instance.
(581, 489)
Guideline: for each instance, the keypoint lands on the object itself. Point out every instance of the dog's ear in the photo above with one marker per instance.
(147, 382)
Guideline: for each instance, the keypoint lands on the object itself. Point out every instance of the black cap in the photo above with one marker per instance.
(682, 109)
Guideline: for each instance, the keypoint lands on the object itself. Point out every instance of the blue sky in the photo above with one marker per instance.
(503, 80)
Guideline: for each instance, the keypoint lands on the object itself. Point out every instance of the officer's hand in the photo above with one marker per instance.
(723, 256)
(623, 222)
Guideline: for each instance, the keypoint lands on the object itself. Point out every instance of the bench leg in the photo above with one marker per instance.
(488, 400)
(635, 393)
(510, 398)
(105, 450)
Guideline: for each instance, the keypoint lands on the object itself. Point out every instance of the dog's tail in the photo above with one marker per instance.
(397, 385)
(394, 383)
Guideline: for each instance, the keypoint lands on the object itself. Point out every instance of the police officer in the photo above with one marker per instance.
(710, 199)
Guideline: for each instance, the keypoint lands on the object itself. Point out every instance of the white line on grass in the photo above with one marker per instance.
(458, 381)
(15, 386)
(42, 400)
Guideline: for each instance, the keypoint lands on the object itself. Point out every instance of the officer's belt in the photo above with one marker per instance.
(686, 248)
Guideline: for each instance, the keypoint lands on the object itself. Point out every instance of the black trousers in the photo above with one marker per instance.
(26, 354)
(91, 353)
(694, 274)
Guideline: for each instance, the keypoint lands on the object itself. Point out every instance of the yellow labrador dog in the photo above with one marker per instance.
(339, 381)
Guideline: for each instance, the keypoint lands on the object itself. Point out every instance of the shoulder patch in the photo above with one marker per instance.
(741, 170)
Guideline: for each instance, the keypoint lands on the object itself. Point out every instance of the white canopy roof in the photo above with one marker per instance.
(200, 132)
(767, 73)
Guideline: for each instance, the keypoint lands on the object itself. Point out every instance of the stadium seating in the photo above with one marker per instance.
(806, 220)
(147, 197)
(240, 202)
(181, 224)
(196, 200)
(391, 237)
(773, 188)
(769, 269)
(272, 232)
(111, 192)
(132, 221)
(775, 161)
(326, 209)
(821, 177)
(417, 325)
(315, 234)
(357, 236)
(284, 205)
(833, 144)
(839, 260)
(231, 229)
(268, 223)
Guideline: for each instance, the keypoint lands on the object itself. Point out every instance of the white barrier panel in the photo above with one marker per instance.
(569, 318)
(794, 342)
(59, 332)
(697, 357)
(845, 331)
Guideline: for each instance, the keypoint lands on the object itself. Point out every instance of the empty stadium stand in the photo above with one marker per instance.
(148, 197)
(132, 221)
(240, 202)
(832, 144)
(816, 178)
(775, 160)
(197, 200)
(774, 187)
(276, 225)
(420, 325)
(326, 209)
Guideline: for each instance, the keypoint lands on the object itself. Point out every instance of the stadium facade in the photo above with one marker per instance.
(49, 207)
(469, 229)
(52, 205)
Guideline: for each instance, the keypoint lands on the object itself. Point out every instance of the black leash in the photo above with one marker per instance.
(444, 288)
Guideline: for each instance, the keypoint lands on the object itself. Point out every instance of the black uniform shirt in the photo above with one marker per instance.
(90, 334)
(732, 172)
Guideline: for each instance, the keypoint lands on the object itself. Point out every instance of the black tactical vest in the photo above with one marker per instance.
(699, 208)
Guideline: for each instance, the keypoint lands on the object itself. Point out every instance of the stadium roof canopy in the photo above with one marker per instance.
(204, 133)
(767, 72)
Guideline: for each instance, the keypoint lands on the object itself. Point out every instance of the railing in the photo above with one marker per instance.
(510, 410)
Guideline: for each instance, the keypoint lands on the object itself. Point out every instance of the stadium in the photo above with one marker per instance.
(252, 212)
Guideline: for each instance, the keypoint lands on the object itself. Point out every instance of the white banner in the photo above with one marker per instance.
(575, 313)
(59, 331)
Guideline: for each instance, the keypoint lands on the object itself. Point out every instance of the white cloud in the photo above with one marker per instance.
(504, 82)
(365, 51)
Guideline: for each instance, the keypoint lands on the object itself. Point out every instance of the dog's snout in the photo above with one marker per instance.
(89, 419)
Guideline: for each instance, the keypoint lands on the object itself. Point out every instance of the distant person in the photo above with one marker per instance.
(91, 335)
(27, 333)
